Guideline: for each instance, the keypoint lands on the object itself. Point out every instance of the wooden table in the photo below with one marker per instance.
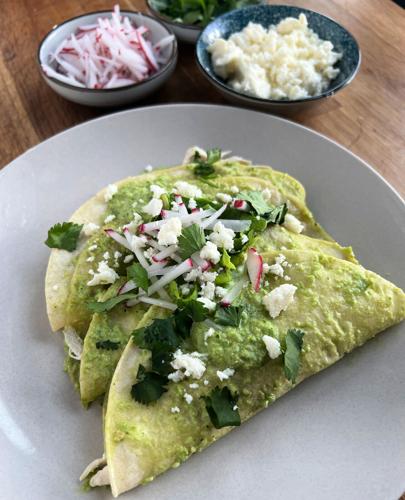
(368, 117)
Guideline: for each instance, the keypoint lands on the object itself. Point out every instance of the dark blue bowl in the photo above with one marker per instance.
(326, 28)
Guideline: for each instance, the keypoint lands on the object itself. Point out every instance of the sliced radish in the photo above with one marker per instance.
(254, 264)
(131, 302)
(241, 205)
(127, 287)
(158, 270)
(118, 238)
(233, 293)
(136, 249)
(182, 207)
(182, 268)
(234, 224)
(158, 302)
(202, 263)
(167, 252)
(207, 222)
(189, 218)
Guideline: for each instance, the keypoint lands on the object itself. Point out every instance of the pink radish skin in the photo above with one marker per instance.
(254, 264)
(118, 238)
(240, 205)
(182, 268)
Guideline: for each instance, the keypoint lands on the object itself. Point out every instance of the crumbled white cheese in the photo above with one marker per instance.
(157, 191)
(106, 255)
(154, 207)
(191, 363)
(287, 278)
(192, 204)
(194, 386)
(207, 303)
(189, 156)
(293, 224)
(104, 275)
(210, 252)
(128, 259)
(235, 407)
(149, 253)
(176, 376)
(109, 218)
(90, 259)
(208, 276)
(56, 287)
(137, 241)
(92, 248)
(185, 289)
(277, 268)
(287, 61)
(234, 189)
(148, 168)
(266, 193)
(208, 290)
(110, 191)
(209, 333)
(133, 225)
(220, 291)
(73, 342)
(206, 382)
(222, 236)
(175, 409)
(225, 374)
(193, 275)
(225, 198)
(279, 299)
(188, 190)
(188, 398)
(90, 228)
(175, 206)
(117, 255)
(169, 231)
(244, 239)
(272, 346)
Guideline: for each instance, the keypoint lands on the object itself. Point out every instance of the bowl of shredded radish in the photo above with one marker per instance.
(108, 58)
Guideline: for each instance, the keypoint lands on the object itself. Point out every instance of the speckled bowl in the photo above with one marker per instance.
(326, 28)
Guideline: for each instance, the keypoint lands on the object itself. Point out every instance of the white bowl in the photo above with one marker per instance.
(187, 33)
(108, 97)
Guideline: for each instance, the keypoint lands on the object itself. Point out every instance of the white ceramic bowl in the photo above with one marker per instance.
(116, 96)
(185, 32)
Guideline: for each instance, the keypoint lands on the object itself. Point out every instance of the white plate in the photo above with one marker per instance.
(339, 435)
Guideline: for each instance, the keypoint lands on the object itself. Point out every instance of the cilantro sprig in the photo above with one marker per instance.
(107, 305)
(229, 316)
(139, 275)
(149, 387)
(221, 408)
(294, 342)
(191, 240)
(205, 167)
(64, 236)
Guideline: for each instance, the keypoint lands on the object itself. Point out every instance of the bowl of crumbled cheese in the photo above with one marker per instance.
(277, 57)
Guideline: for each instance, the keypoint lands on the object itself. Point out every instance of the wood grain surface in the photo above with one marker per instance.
(368, 117)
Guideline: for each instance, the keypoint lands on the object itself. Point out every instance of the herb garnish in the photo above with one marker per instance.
(191, 240)
(229, 316)
(255, 198)
(293, 342)
(150, 386)
(221, 408)
(64, 236)
(205, 168)
(197, 12)
(277, 214)
(139, 275)
(107, 305)
(109, 345)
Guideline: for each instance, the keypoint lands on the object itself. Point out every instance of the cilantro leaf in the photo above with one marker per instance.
(150, 386)
(277, 214)
(229, 316)
(255, 198)
(64, 236)
(205, 168)
(294, 342)
(223, 278)
(220, 405)
(226, 261)
(109, 345)
(107, 305)
(191, 240)
(139, 275)
(160, 335)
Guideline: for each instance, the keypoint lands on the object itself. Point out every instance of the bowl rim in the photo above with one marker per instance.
(259, 100)
(165, 19)
(160, 72)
